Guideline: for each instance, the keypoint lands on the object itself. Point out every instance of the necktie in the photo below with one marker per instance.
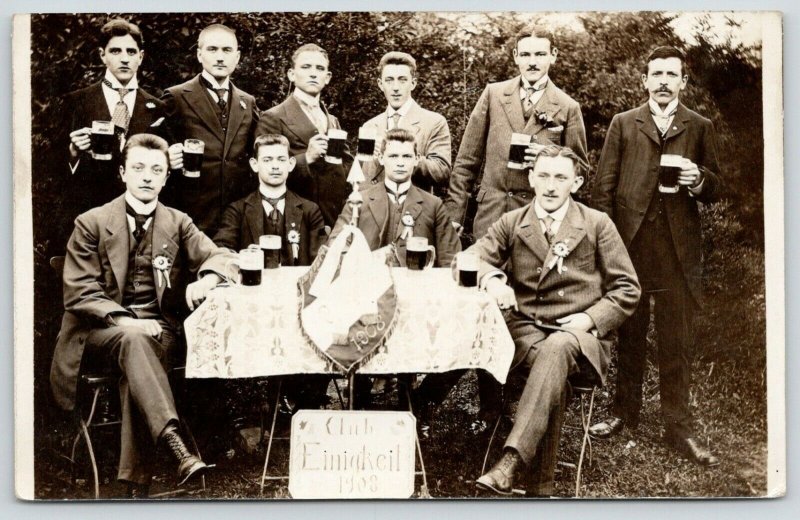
(220, 92)
(140, 220)
(318, 117)
(662, 120)
(120, 117)
(527, 102)
(396, 197)
(273, 216)
(548, 228)
(395, 119)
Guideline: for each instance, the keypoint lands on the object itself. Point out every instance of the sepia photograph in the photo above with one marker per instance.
(366, 255)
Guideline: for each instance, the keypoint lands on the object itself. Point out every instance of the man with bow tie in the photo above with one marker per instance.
(209, 107)
(304, 121)
(662, 233)
(398, 78)
(530, 104)
(117, 98)
(123, 296)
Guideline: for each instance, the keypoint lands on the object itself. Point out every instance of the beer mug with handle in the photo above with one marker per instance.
(250, 262)
(417, 257)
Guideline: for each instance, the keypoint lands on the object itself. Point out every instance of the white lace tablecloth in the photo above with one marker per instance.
(255, 331)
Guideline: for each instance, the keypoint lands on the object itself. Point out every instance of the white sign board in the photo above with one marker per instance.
(352, 454)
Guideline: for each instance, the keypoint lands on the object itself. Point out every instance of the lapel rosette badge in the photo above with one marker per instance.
(162, 265)
(294, 240)
(560, 251)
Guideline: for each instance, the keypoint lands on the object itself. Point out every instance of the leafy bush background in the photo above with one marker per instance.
(599, 64)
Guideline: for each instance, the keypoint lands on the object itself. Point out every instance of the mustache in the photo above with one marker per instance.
(664, 89)
(533, 68)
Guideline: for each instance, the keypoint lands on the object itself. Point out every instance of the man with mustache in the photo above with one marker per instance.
(531, 104)
(209, 107)
(662, 233)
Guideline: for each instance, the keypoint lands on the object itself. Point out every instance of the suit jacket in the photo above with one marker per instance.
(433, 145)
(486, 143)
(597, 278)
(431, 220)
(627, 180)
(226, 175)
(320, 182)
(243, 224)
(97, 182)
(95, 273)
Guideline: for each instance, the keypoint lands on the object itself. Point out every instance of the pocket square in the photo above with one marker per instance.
(157, 122)
(242, 104)
(559, 128)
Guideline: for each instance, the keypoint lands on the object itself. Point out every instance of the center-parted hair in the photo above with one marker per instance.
(149, 141)
(398, 58)
(400, 135)
(309, 47)
(269, 140)
(120, 27)
(664, 52)
(215, 27)
(553, 150)
(536, 31)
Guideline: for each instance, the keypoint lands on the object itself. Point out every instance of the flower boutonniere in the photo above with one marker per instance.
(243, 104)
(560, 251)
(408, 226)
(545, 119)
(294, 239)
(162, 265)
(150, 105)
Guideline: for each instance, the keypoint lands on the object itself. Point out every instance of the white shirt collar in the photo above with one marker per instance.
(397, 188)
(312, 101)
(273, 193)
(133, 84)
(403, 110)
(139, 206)
(557, 215)
(211, 79)
(655, 109)
(523, 90)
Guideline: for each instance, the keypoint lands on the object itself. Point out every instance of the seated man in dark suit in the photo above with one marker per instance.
(273, 209)
(117, 98)
(122, 291)
(572, 284)
(394, 208)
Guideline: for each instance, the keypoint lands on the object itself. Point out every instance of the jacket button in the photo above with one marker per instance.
(538, 322)
(136, 284)
(524, 195)
(510, 193)
(561, 293)
(538, 269)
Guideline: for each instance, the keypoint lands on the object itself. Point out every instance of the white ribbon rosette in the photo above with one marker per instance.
(162, 265)
(560, 251)
(294, 239)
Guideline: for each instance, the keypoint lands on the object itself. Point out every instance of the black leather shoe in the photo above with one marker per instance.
(692, 449)
(607, 428)
(138, 491)
(500, 478)
(189, 465)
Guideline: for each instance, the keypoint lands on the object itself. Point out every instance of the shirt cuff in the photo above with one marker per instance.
(111, 318)
(497, 273)
(696, 190)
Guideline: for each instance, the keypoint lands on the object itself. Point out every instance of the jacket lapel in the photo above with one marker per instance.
(379, 209)
(413, 119)
(164, 234)
(548, 104)
(254, 217)
(412, 205)
(512, 105)
(99, 107)
(678, 122)
(237, 109)
(297, 120)
(646, 124)
(200, 102)
(139, 120)
(117, 242)
(571, 232)
(530, 232)
(293, 218)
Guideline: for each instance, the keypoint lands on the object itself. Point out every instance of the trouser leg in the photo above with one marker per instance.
(674, 333)
(543, 465)
(631, 361)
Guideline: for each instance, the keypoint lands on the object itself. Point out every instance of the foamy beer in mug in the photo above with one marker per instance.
(336, 141)
(467, 264)
(516, 154)
(271, 248)
(102, 139)
(193, 157)
(366, 143)
(669, 172)
(250, 262)
(417, 250)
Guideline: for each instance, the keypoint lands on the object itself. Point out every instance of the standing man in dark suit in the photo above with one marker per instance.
(662, 234)
(272, 209)
(116, 98)
(529, 104)
(209, 107)
(122, 291)
(398, 78)
(571, 285)
(305, 122)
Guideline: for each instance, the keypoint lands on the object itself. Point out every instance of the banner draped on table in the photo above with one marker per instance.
(348, 301)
